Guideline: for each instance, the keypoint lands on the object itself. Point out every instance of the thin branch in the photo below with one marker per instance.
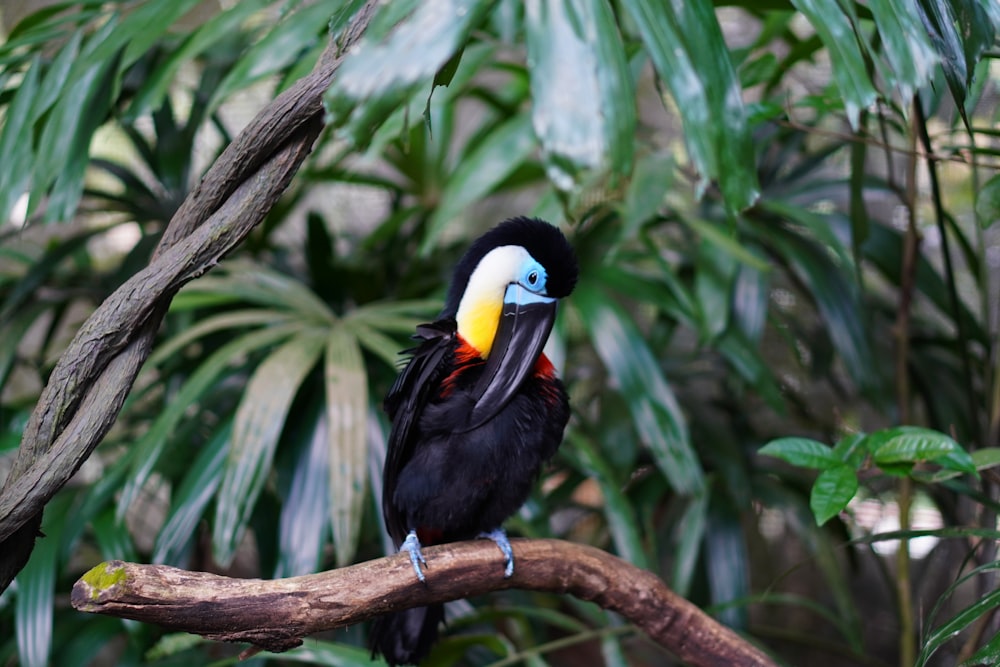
(276, 614)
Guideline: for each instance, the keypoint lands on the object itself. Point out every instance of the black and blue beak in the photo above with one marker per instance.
(525, 323)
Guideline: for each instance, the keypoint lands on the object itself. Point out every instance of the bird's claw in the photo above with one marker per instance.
(411, 545)
(499, 536)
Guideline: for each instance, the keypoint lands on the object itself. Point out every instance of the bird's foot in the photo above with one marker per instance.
(499, 535)
(411, 545)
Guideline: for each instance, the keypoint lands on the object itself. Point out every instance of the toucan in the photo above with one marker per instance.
(476, 411)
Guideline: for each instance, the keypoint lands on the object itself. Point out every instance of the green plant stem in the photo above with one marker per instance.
(911, 245)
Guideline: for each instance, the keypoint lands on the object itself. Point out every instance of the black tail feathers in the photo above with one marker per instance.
(406, 637)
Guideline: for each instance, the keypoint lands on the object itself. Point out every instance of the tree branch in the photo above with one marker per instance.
(275, 615)
(87, 388)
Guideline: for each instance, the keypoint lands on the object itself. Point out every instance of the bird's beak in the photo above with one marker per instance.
(525, 323)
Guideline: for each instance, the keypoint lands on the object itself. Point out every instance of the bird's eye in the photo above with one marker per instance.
(533, 278)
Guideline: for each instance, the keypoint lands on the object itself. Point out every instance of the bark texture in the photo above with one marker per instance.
(275, 615)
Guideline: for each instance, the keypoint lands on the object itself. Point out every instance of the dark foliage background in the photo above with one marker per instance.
(784, 214)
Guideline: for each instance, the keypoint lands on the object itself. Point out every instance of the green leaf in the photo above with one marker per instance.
(155, 85)
(988, 654)
(636, 375)
(36, 583)
(852, 449)
(302, 529)
(282, 45)
(945, 22)
(583, 99)
(263, 286)
(802, 452)
(379, 75)
(836, 297)
(191, 498)
(909, 444)
(837, 28)
(146, 453)
(479, 173)
(690, 532)
(259, 419)
(907, 48)
(726, 560)
(687, 48)
(988, 203)
(651, 180)
(347, 417)
(832, 490)
(960, 621)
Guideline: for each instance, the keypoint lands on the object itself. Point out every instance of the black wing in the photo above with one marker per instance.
(404, 404)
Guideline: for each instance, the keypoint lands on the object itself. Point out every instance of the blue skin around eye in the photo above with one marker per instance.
(529, 268)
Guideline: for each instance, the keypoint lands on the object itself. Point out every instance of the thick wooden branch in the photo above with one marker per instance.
(276, 614)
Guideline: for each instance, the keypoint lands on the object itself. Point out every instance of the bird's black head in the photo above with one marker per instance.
(543, 241)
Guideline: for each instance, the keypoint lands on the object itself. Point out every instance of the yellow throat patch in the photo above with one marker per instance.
(478, 325)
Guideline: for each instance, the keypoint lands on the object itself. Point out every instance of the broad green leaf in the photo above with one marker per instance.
(395, 316)
(909, 444)
(801, 452)
(852, 449)
(155, 86)
(690, 534)
(258, 423)
(16, 154)
(380, 74)
(651, 180)
(235, 319)
(636, 375)
(687, 48)
(832, 490)
(282, 44)
(835, 295)
(944, 30)
(713, 287)
(988, 202)
(837, 28)
(960, 621)
(64, 146)
(140, 29)
(263, 286)
(906, 45)
(582, 94)
(727, 562)
(36, 584)
(987, 654)
(480, 172)
(146, 453)
(347, 412)
(303, 525)
(191, 498)
(727, 243)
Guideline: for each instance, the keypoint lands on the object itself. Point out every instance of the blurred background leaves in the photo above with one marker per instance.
(785, 215)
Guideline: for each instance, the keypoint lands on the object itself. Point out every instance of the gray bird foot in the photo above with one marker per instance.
(499, 535)
(411, 545)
